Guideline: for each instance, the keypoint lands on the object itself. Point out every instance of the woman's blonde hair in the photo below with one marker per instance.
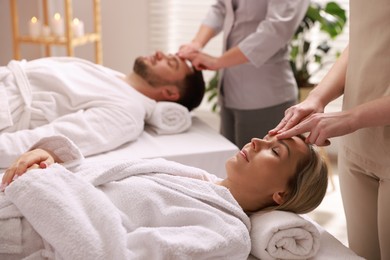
(308, 186)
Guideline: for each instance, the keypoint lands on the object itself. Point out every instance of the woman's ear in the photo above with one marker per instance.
(170, 93)
(278, 197)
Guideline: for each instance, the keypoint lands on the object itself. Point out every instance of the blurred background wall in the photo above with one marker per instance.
(124, 30)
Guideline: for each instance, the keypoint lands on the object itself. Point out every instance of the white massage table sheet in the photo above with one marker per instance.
(201, 146)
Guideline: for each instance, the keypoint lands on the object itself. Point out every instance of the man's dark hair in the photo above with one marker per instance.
(192, 90)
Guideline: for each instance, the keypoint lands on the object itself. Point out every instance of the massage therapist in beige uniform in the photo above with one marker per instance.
(362, 74)
(256, 81)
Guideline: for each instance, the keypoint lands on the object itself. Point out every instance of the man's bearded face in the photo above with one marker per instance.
(147, 73)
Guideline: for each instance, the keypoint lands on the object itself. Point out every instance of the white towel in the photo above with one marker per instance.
(154, 216)
(10, 227)
(169, 118)
(10, 236)
(16, 67)
(77, 220)
(283, 235)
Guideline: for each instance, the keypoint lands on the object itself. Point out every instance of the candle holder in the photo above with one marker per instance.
(63, 31)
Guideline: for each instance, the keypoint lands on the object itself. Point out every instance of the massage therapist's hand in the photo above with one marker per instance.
(322, 126)
(202, 61)
(295, 114)
(34, 159)
(188, 48)
(294, 121)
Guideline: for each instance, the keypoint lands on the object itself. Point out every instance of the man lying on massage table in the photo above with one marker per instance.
(97, 108)
(152, 208)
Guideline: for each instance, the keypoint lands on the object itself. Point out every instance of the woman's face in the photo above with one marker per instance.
(264, 166)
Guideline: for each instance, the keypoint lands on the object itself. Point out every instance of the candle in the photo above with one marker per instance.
(77, 27)
(57, 25)
(45, 31)
(34, 27)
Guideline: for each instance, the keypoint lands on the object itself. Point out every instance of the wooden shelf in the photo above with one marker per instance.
(52, 40)
(67, 40)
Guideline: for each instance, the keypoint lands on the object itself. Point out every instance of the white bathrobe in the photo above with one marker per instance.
(139, 209)
(89, 103)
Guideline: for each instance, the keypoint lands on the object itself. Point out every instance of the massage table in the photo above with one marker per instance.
(203, 147)
(200, 146)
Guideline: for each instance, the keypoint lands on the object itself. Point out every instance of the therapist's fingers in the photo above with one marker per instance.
(296, 130)
(317, 138)
(292, 117)
(295, 115)
(305, 126)
(205, 61)
(316, 134)
(188, 55)
(183, 53)
(198, 64)
(187, 52)
(200, 67)
(281, 125)
(196, 60)
(189, 47)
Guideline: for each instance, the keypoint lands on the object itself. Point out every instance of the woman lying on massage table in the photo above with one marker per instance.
(153, 208)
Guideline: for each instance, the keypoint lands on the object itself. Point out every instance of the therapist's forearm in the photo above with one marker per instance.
(203, 36)
(332, 85)
(373, 113)
(232, 57)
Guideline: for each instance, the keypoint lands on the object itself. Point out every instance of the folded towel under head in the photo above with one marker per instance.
(283, 235)
(169, 118)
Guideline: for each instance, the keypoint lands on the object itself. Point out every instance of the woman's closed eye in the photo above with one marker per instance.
(276, 151)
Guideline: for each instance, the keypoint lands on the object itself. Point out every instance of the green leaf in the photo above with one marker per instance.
(294, 52)
(317, 59)
(331, 19)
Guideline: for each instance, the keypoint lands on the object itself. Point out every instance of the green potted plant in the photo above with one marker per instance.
(331, 19)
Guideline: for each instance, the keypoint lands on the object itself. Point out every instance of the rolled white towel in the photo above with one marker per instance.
(283, 235)
(169, 118)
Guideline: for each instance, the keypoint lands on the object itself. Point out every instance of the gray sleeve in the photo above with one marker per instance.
(275, 31)
(216, 16)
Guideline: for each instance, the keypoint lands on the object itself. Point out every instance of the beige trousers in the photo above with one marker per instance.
(366, 200)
